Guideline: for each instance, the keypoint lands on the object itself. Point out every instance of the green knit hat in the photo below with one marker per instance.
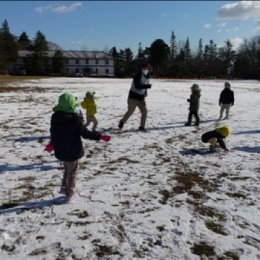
(195, 87)
(89, 94)
(67, 103)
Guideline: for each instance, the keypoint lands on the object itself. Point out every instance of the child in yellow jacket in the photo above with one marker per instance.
(216, 137)
(90, 106)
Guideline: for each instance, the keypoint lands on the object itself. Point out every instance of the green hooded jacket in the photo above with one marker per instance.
(67, 104)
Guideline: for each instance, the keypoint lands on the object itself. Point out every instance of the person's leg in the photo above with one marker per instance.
(213, 142)
(197, 118)
(227, 111)
(64, 179)
(132, 104)
(95, 124)
(189, 118)
(72, 167)
(88, 121)
(221, 111)
(143, 109)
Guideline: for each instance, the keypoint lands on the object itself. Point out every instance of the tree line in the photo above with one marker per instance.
(175, 59)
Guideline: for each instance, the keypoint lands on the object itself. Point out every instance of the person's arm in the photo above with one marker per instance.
(83, 104)
(137, 82)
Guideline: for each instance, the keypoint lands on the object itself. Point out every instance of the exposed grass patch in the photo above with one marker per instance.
(203, 249)
(231, 255)
(217, 228)
(208, 211)
(236, 195)
(103, 250)
(79, 214)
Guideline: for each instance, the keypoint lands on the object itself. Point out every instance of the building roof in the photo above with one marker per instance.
(72, 54)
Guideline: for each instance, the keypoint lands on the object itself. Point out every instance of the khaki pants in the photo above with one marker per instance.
(93, 120)
(69, 177)
(213, 141)
(224, 107)
(132, 104)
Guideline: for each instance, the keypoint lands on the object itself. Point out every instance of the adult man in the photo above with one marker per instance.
(136, 97)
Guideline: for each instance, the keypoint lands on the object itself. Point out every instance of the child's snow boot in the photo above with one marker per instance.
(212, 149)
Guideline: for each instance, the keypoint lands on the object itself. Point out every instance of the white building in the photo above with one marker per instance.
(85, 63)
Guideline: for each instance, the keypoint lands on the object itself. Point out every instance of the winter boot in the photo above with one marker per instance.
(142, 129)
(121, 124)
(212, 149)
(188, 124)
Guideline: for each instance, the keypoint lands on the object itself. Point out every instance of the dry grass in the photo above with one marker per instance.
(10, 79)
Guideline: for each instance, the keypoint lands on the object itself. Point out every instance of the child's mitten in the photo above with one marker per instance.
(49, 148)
(105, 138)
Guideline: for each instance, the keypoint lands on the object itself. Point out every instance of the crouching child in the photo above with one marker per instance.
(66, 131)
(216, 138)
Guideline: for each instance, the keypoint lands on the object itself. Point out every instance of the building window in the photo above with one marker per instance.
(107, 62)
(97, 61)
(96, 71)
(76, 61)
(87, 62)
(107, 71)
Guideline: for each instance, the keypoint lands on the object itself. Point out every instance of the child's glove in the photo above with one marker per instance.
(105, 138)
(49, 148)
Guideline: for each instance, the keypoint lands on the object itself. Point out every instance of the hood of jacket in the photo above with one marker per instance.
(67, 103)
(224, 131)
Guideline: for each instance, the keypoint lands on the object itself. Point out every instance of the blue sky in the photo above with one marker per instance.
(99, 25)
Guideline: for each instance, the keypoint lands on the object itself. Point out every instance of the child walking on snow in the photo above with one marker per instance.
(194, 101)
(66, 130)
(90, 106)
(226, 100)
(216, 138)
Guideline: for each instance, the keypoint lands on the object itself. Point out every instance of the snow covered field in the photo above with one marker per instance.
(141, 196)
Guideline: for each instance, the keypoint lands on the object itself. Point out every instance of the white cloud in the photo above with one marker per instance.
(207, 25)
(221, 25)
(61, 9)
(236, 42)
(240, 10)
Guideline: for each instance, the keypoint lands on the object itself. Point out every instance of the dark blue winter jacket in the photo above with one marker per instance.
(66, 132)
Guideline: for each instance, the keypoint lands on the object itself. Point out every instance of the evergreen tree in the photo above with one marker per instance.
(24, 43)
(159, 56)
(210, 59)
(59, 63)
(37, 63)
(227, 56)
(173, 47)
(198, 60)
(129, 65)
(8, 49)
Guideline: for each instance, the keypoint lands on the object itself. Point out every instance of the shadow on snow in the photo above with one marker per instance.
(15, 207)
(12, 168)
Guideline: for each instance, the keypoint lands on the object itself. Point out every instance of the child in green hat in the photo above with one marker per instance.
(194, 101)
(90, 106)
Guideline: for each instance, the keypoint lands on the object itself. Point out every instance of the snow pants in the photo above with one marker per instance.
(92, 119)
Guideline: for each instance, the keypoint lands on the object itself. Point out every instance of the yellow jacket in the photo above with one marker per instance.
(225, 130)
(90, 106)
